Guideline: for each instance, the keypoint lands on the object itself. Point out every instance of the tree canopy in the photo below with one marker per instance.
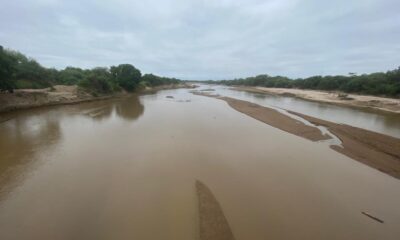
(381, 83)
(6, 71)
(126, 75)
(19, 71)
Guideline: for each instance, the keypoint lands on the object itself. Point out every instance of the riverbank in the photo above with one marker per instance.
(376, 150)
(62, 94)
(378, 103)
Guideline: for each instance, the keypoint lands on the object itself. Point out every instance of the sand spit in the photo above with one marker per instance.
(274, 118)
(376, 150)
(212, 222)
(379, 103)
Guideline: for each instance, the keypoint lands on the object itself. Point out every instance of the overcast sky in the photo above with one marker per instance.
(208, 39)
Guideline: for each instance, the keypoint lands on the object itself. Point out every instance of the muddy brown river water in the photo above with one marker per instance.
(126, 169)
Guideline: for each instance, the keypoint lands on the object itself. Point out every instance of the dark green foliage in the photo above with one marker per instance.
(6, 70)
(126, 75)
(153, 80)
(27, 73)
(19, 71)
(384, 84)
(70, 76)
(97, 80)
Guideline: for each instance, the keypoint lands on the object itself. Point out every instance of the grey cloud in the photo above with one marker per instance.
(208, 39)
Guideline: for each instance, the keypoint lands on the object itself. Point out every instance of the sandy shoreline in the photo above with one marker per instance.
(61, 95)
(212, 222)
(391, 105)
(376, 150)
(276, 119)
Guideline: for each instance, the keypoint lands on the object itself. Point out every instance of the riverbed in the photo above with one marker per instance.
(126, 169)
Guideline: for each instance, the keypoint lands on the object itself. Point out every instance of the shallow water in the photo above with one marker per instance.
(126, 169)
(386, 123)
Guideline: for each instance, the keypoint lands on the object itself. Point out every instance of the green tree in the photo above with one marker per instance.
(70, 76)
(98, 81)
(27, 72)
(126, 75)
(7, 65)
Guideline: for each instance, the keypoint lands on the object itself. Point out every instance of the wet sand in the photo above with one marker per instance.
(212, 222)
(274, 118)
(376, 150)
(353, 100)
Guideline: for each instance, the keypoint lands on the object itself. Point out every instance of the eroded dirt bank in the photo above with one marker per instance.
(61, 94)
(354, 100)
(376, 150)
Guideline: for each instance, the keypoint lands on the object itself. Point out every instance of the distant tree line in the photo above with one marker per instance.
(18, 71)
(381, 83)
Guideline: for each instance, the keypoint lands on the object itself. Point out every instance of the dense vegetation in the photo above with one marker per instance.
(385, 84)
(18, 71)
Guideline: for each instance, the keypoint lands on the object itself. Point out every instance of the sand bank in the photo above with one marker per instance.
(376, 150)
(353, 100)
(274, 118)
(212, 222)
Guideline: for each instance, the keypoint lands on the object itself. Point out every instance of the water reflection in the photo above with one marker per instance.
(127, 108)
(21, 138)
(130, 108)
(26, 135)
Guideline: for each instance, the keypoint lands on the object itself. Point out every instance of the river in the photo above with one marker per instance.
(126, 169)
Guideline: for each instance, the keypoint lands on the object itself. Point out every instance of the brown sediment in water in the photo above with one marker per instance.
(376, 150)
(212, 222)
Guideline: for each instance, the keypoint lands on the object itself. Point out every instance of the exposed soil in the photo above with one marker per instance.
(212, 222)
(61, 94)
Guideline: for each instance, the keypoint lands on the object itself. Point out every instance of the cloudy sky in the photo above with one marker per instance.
(208, 39)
